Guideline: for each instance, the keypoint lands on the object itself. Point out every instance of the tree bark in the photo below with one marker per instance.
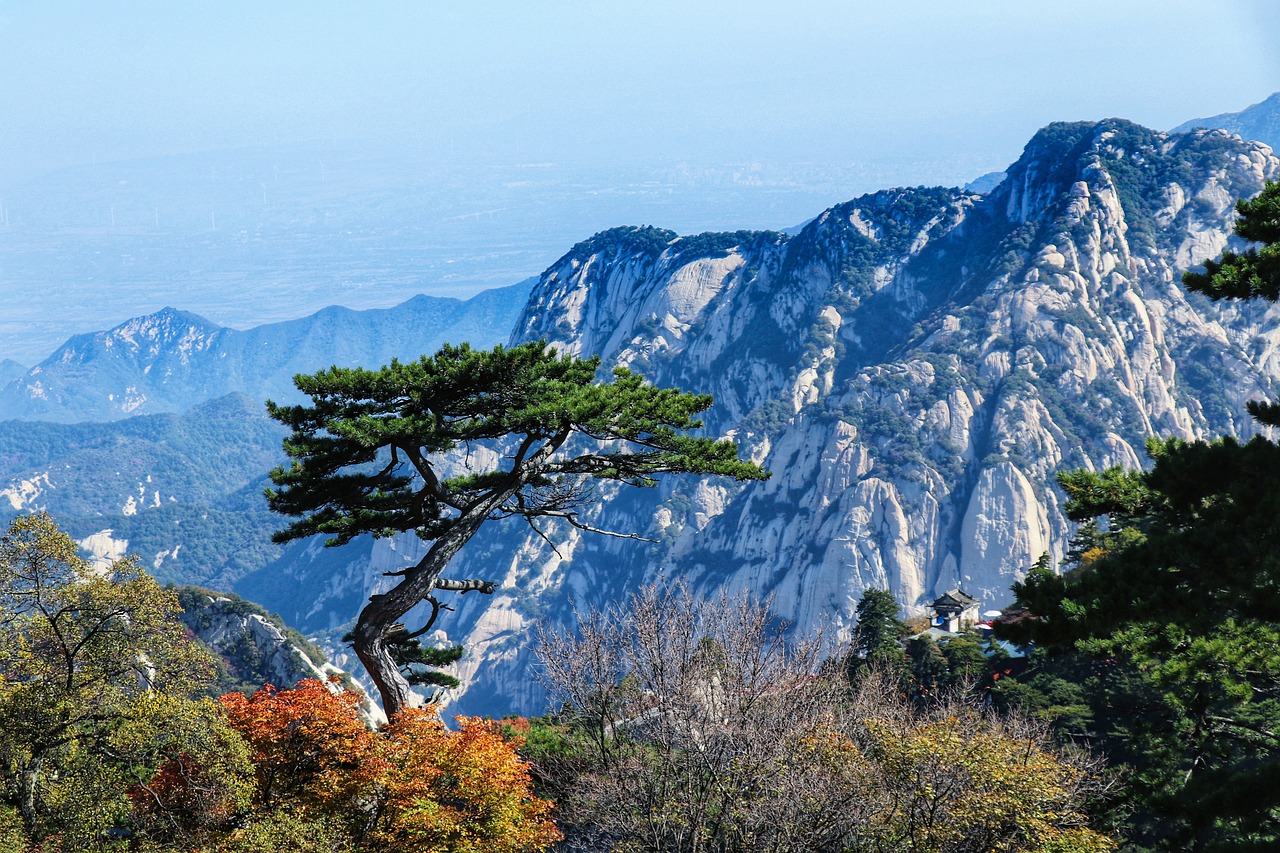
(385, 609)
(27, 784)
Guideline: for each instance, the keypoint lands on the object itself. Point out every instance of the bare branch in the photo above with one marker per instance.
(572, 518)
(545, 538)
(486, 587)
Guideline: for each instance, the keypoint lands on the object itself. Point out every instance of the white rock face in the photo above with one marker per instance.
(1005, 530)
(25, 494)
(102, 549)
(914, 368)
(286, 663)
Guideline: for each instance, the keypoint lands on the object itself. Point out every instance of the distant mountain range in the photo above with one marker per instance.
(913, 365)
(172, 360)
(1260, 121)
(181, 491)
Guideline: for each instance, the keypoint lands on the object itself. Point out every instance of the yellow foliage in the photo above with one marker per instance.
(966, 783)
(457, 792)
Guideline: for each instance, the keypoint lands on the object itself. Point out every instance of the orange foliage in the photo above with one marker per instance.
(412, 786)
(309, 747)
(461, 792)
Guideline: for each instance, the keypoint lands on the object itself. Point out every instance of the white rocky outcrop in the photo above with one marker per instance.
(913, 367)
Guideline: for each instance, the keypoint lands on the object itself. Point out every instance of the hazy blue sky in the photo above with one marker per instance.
(800, 81)
(360, 153)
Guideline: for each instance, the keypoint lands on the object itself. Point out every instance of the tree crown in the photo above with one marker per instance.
(370, 455)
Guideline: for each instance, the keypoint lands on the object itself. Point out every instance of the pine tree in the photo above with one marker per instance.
(1173, 601)
(372, 452)
(877, 640)
(1251, 274)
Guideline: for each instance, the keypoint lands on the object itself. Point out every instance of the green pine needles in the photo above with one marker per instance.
(1255, 271)
(440, 445)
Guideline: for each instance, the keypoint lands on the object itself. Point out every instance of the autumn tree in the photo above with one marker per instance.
(700, 724)
(85, 656)
(696, 724)
(953, 778)
(312, 753)
(411, 786)
(376, 453)
(465, 791)
(199, 780)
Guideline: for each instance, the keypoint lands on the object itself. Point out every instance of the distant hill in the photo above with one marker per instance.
(984, 184)
(1260, 121)
(10, 370)
(172, 360)
(182, 492)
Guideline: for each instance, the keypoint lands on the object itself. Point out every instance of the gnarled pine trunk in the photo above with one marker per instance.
(386, 609)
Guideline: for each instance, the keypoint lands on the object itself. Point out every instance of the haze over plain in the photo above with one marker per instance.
(254, 162)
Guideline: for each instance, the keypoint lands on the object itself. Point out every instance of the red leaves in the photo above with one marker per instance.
(413, 785)
(310, 747)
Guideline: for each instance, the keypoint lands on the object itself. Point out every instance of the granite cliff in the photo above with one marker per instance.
(914, 366)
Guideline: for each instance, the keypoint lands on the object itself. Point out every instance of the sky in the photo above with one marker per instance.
(595, 81)
(256, 161)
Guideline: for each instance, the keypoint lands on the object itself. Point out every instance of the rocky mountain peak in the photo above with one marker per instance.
(1261, 122)
(914, 366)
(167, 332)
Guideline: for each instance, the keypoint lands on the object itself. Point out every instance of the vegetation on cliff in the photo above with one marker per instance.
(1161, 644)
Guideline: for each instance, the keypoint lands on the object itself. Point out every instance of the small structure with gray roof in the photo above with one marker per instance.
(954, 611)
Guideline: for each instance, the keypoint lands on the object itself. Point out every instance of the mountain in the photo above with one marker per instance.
(172, 360)
(914, 366)
(10, 370)
(1260, 121)
(181, 491)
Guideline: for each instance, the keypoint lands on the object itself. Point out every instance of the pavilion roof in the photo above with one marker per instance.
(954, 599)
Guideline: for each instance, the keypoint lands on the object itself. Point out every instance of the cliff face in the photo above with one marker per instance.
(254, 648)
(913, 367)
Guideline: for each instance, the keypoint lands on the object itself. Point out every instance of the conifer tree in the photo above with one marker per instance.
(877, 640)
(529, 432)
(1174, 599)
(1250, 274)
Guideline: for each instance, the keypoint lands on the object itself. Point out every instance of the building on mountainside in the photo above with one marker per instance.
(954, 611)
